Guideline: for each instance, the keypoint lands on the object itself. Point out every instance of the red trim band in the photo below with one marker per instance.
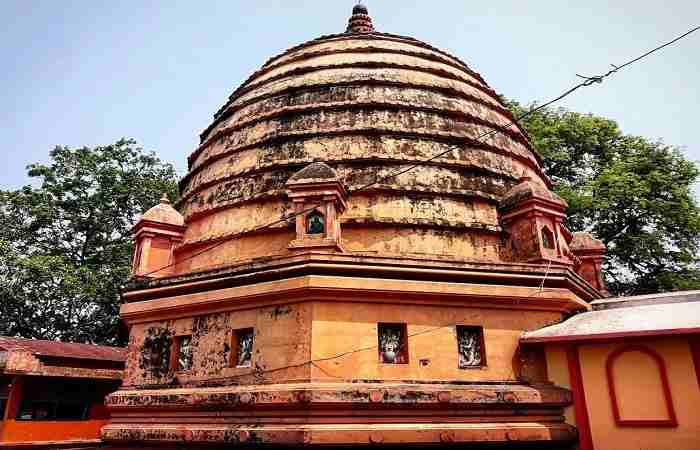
(580, 408)
(672, 421)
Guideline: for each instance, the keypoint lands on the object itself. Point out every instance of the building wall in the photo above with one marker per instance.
(644, 420)
(432, 345)
(287, 336)
(281, 340)
(558, 373)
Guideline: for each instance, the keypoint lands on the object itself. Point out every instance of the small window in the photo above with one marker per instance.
(547, 238)
(315, 223)
(156, 350)
(393, 343)
(470, 347)
(183, 350)
(242, 347)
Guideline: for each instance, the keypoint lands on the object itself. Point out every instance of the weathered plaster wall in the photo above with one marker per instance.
(281, 339)
(288, 336)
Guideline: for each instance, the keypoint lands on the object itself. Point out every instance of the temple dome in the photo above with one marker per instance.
(368, 104)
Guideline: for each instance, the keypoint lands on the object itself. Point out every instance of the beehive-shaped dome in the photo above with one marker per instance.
(369, 105)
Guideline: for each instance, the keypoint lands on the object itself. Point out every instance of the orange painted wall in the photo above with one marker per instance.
(639, 393)
(14, 431)
(342, 327)
(558, 373)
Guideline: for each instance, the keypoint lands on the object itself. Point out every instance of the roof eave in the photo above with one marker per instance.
(602, 337)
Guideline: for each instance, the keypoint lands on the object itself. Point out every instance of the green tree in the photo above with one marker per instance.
(632, 193)
(65, 246)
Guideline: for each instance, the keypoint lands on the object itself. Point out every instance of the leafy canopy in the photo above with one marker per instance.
(632, 193)
(65, 246)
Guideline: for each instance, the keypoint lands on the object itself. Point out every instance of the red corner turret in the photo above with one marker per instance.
(590, 253)
(156, 235)
(533, 218)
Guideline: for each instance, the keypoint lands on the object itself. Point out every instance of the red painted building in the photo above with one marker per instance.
(52, 393)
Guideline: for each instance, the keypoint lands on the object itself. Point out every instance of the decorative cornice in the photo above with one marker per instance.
(329, 288)
(406, 267)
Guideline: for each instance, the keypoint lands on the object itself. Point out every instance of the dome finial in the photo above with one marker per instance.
(360, 22)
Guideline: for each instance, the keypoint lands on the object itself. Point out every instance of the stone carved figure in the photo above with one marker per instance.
(316, 224)
(390, 346)
(184, 358)
(469, 346)
(245, 349)
(155, 351)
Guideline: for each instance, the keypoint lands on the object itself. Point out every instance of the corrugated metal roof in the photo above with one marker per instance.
(651, 319)
(64, 349)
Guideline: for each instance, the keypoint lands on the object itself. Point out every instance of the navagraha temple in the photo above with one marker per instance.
(324, 281)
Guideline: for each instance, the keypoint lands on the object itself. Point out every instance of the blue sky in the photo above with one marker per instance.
(87, 73)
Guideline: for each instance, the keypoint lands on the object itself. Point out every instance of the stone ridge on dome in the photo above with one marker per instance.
(246, 86)
(358, 9)
(335, 43)
(340, 37)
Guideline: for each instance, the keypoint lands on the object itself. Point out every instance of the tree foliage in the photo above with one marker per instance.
(632, 193)
(65, 246)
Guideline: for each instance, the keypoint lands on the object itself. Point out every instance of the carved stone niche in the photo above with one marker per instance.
(319, 199)
(590, 253)
(533, 218)
(157, 233)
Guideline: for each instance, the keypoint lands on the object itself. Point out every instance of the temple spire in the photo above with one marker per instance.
(360, 21)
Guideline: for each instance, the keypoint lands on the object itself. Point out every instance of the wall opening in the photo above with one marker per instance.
(183, 351)
(392, 343)
(242, 347)
(547, 238)
(470, 347)
(315, 223)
